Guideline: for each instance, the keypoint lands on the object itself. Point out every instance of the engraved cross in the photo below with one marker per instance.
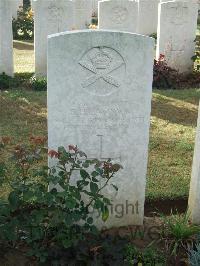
(101, 156)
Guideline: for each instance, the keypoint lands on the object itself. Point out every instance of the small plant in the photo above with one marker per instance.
(23, 26)
(148, 256)
(5, 81)
(178, 233)
(38, 84)
(94, 20)
(196, 57)
(153, 35)
(44, 220)
(165, 77)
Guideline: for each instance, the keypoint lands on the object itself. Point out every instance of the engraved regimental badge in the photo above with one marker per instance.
(102, 63)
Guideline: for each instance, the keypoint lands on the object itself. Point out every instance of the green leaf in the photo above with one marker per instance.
(94, 174)
(105, 213)
(94, 179)
(64, 155)
(85, 165)
(84, 174)
(90, 220)
(93, 187)
(77, 195)
(14, 200)
(70, 203)
(66, 243)
(2, 170)
(28, 195)
(97, 204)
(99, 171)
(194, 58)
(107, 201)
(68, 220)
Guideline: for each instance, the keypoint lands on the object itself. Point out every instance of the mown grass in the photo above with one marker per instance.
(172, 133)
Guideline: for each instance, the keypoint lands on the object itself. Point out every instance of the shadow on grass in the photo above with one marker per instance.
(23, 113)
(21, 45)
(174, 114)
(188, 95)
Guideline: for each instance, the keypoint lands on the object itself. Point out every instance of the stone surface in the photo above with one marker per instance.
(177, 25)
(83, 13)
(6, 38)
(147, 16)
(99, 98)
(50, 16)
(118, 15)
(194, 197)
(15, 6)
(95, 5)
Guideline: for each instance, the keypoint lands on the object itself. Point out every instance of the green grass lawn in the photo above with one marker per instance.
(172, 132)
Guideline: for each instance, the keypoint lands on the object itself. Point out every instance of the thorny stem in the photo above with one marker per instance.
(100, 189)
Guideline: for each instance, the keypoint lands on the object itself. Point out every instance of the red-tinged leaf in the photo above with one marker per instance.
(53, 153)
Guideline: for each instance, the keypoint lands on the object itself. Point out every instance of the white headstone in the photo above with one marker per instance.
(176, 33)
(6, 38)
(50, 16)
(95, 6)
(15, 7)
(83, 13)
(194, 198)
(106, 110)
(147, 16)
(118, 15)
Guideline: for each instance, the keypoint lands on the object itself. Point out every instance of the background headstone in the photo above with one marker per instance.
(177, 25)
(6, 37)
(106, 110)
(83, 13)
(15, 6)
(194, 198)
(147, 16)
(95, 6)
(118, 15)
(50, 16)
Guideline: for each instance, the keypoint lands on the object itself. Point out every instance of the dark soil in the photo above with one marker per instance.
(165, 206)
(109, 247)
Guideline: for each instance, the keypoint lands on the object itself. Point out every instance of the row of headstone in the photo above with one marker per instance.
(109, 111)
(176, 20)
(176, 24)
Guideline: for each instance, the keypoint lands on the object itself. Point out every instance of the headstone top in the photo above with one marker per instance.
(119, 15)
(50, 16)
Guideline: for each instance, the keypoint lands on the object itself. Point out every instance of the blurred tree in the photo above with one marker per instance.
(26, 4)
